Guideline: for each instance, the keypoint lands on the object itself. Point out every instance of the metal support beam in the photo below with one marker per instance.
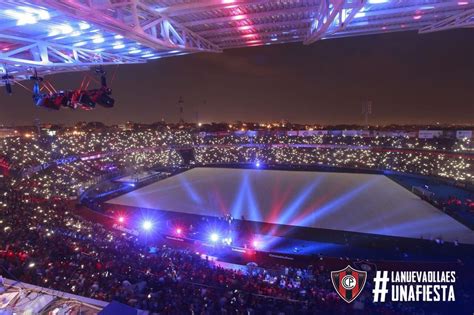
(460, 20)
(23, 72)
(263, 36)
(135, 20)
(326, 15)
(205, 5)
(50, 57)
(253, 16)
(247, 29)
(49, 54)
(172, 28)
(332, 16)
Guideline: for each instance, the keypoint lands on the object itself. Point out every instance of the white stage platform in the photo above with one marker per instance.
(340, 201)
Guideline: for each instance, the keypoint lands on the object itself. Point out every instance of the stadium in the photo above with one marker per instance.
(237, 217)
(226, 199)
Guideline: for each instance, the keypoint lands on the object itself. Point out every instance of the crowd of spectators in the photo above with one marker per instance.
(400, 154)
(144, 149)
(67, 179)
(43, 242)
(46, 244)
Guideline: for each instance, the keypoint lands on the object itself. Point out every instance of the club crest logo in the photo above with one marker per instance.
(348, 282)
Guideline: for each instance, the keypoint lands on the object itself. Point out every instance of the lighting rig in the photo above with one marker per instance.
(45, 95)
(80, 98)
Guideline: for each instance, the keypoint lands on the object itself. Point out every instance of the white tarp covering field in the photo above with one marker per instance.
(364, 203)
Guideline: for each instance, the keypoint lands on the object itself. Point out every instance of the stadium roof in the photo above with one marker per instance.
(23, 298)
(71, 35)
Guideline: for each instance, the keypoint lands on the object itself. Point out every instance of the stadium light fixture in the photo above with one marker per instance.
(119, 46)
(147, 225)
(79, 44)
(84, 26)
(214, 237)
(97, 39)
(121, 219)
(378, 1)
(256, 244)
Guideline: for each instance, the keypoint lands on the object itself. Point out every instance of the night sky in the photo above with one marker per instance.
(409, 78)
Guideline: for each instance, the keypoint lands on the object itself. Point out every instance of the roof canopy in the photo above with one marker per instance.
(71, 35)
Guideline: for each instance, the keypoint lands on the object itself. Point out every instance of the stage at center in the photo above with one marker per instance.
(362, 203)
